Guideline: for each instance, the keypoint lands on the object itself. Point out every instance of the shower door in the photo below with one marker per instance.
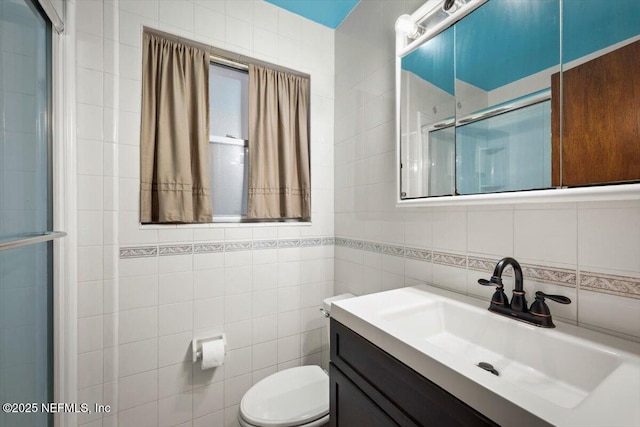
(26, 249)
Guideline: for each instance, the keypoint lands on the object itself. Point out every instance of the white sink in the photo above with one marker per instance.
(564, 376)
(520, 353)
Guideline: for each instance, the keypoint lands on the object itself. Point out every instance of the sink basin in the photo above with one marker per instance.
(563, 376)
(520, 353)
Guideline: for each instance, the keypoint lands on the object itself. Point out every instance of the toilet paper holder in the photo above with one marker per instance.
(196, 344)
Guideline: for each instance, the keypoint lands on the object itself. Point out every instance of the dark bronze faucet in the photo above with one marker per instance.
(538, 314)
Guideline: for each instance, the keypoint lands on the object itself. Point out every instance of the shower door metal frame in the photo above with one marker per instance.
(64, 187)
(31, 240)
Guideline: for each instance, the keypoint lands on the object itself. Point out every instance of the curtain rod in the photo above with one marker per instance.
(225, 61)
(224, 56)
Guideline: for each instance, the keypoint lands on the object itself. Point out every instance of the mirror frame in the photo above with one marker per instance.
(404, 46)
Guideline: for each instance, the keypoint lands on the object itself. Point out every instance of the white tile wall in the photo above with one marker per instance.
(603, 230)
(593, 237)
(546, 235)
(137, 316)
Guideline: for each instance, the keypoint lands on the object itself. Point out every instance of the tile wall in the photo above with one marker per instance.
(589, 252)
(144, 292)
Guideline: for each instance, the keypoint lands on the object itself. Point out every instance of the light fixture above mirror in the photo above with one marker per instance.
(407, 27)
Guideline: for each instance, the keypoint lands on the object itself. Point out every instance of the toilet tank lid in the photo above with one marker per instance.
(326, 303)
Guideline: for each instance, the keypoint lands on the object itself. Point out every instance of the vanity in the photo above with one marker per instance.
(371, 387)
(411, 356)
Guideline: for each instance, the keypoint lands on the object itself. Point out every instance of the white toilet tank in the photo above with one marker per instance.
(326, 308)
(292, 397)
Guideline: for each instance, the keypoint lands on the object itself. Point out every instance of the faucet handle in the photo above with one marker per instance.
(499, 297)
(495, 281)
(540, 308)
(557, 298)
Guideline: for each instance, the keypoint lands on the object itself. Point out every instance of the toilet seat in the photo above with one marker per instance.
(293, 397)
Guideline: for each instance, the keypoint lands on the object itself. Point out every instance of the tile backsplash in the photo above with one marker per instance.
(550, 279)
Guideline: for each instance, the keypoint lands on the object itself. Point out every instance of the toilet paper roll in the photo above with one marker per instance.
(212, 354)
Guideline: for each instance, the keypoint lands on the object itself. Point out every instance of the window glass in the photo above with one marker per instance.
(229, 178)
(228, 98)
(229, 132)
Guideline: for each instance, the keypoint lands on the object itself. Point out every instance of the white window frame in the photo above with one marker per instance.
(229, 140)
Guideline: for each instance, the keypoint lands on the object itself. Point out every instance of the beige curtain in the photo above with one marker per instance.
(174, 137)
(279, 182)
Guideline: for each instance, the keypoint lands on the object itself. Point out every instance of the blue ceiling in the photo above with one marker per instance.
(329, 13)
(485, 59)
(433, 61)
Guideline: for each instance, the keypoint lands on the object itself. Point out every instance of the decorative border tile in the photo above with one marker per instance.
(610, 284)
(289, 243)
(453, 260)
(481, 264)
(417, 254)
(372, 247)
(167, 250)
(355, 244)
(349, 243)
(307, 243)
(265, 244)
(539, 273)
(237, 246)
(393, 250)
(339, 241)
(328, 241)
(138, 252)
(554, 275)
(213, 247)
(203, 248)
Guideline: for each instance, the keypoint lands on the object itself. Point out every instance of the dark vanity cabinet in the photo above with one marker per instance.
(369, 387)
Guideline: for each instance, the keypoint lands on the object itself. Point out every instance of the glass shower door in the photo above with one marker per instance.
(26, 282)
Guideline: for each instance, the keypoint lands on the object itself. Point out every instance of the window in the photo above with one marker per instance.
(237, 151)
(228, 141)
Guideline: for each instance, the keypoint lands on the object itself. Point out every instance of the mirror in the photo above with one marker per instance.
(481, 103)
(427, 132)
(506, 52)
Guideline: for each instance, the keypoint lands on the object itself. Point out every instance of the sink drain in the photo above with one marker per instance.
(489, 367)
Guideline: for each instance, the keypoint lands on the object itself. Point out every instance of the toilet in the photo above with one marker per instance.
(295, 397)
